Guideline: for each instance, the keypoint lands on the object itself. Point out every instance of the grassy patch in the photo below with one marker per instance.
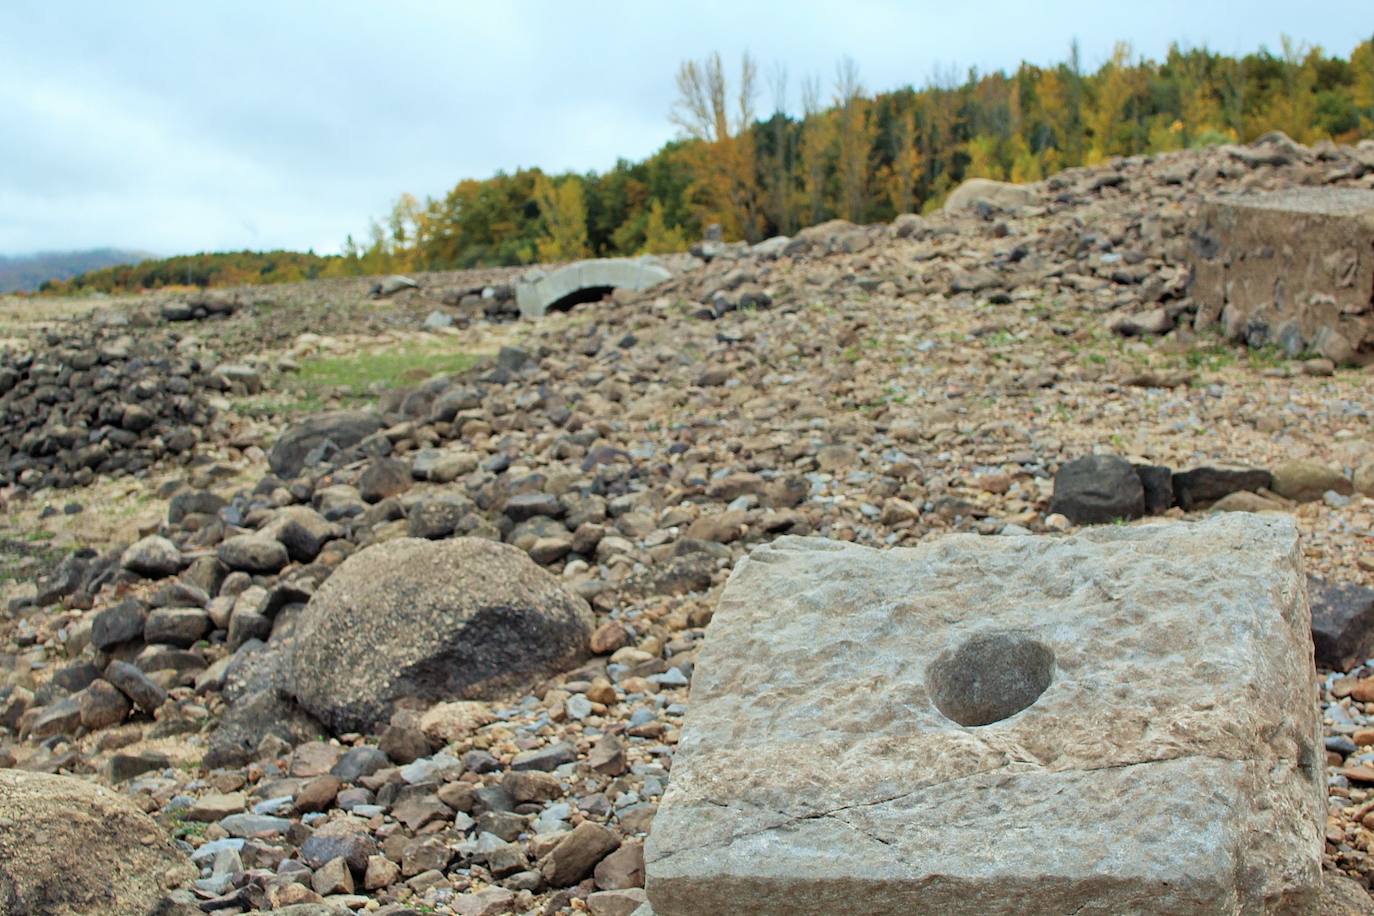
(356, 377)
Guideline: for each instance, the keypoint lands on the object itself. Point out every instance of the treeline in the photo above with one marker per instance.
(849, 153)
(227, 268)
(867, 157)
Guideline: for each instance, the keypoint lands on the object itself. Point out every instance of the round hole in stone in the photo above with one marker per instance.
(990, 677)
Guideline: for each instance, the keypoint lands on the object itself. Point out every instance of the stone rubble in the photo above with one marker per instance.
(880, 385)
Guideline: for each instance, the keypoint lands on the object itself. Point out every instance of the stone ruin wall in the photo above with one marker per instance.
(1292, 268)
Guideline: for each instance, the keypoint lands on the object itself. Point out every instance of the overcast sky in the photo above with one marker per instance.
(184, 125)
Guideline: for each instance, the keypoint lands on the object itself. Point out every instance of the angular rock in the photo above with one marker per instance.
(176, 626)
(69, 846)
(1342, 623)
(343, 429)
(103, 705)
(578, 853)
(617, 902)
(153, 557)
(1098, 489)
(121, 623)
(1202, 486)
(135, 685)
(984, 662)
(384, 478)
(254, 717)
(458, 619)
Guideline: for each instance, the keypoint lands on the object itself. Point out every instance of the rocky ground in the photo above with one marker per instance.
(430, 652)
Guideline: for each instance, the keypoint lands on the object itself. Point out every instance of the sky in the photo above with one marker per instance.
(177, 126)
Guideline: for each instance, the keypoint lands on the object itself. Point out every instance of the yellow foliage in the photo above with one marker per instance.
(658, 238)
(564, 209)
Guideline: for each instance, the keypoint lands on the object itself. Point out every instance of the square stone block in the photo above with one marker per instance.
(1293, 268)
(1123, 721)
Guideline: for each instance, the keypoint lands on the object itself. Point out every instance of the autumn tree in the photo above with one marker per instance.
(659, 237)
(726, 186)
(1106, 114)
(818, 138)
(779, 204)
(563, 206)
(901, 174)
(855, 142)
(1362, 91)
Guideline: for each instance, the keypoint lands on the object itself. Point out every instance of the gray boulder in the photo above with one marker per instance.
(1001, 195)
(459, 619)
(153, 557)
(343, 428)
(70, 846)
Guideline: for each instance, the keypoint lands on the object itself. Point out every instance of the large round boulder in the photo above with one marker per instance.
(1002, 195)
(68, 846)
(465, 618)
(342, 429)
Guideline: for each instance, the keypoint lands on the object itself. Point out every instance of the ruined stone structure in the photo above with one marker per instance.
(1120, 721)
(1293, 268)
(538, 292)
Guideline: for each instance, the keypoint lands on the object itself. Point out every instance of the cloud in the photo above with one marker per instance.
(182, 127)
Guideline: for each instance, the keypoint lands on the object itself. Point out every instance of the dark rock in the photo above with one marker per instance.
(102, 705)
(253, 554)
(192, 502)
(117, 624)
(176, 626)
(124, 767)
(1158, 483)
(404, 745)
(153, 557)
(1202, 486)
(327, 844)
(384, 478)
(253, 718)
(135, 685)
(545, 758)
(344, 429)
(1342, 623)
(358, 762)
(1096, 489)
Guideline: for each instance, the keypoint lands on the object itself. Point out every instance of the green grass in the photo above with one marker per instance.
(355, 378)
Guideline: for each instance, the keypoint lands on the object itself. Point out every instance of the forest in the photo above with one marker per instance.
(848, 153)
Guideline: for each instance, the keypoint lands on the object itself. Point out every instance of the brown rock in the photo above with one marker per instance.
(318, 794)
(607, 757)
(578, 853)
(622, 869)
(333, 878)
(381, 872)
(608, 637)
(103, 705)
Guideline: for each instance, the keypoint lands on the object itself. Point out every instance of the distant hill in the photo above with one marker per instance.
(25, 273)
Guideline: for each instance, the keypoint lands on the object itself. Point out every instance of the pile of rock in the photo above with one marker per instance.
(1097, 489)
(103, 402)
(202, 305)
(318, 638)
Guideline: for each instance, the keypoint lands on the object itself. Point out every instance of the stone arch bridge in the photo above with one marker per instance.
(539, 292)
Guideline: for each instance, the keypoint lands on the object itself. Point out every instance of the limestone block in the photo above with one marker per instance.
(1293, 268)
(1122, 721)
